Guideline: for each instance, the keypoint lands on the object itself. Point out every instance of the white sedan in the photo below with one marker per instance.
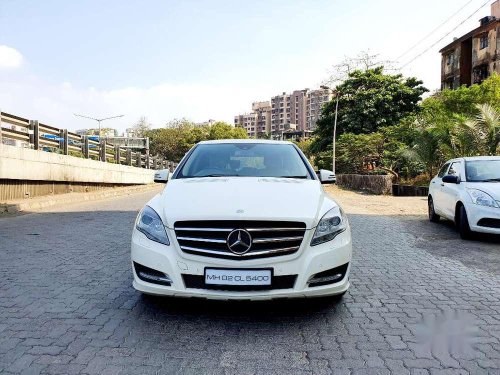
(467, 191)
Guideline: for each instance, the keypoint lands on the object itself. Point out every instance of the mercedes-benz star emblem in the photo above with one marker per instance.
(239, 241)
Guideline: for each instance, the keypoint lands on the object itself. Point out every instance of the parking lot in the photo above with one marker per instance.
(422, 301)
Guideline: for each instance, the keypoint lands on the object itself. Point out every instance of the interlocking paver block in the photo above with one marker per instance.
(67, 306)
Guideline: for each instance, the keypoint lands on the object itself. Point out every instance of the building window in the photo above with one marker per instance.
(480, 73)
(483, 41)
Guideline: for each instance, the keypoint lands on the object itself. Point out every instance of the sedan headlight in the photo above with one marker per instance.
(149, 223)
(481, 198)
(331, 224)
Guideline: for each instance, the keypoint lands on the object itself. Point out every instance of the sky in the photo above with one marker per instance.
(198, 59)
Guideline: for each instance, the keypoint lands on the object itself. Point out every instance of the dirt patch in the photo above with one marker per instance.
(362, 203)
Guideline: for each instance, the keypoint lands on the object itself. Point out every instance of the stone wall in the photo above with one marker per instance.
(375, 184)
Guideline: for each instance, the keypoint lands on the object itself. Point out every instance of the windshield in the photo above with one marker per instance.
(244, 160)
(483, 171)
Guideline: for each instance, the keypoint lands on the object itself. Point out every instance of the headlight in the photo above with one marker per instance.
(331, 224)
(149, 223)
(480, 198)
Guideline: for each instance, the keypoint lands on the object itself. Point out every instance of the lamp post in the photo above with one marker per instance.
(99, 120)
(334, 125)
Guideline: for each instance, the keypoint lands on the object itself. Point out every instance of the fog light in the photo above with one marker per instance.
(330, 276)
(162, 279)
(152, 276)
(327, 279)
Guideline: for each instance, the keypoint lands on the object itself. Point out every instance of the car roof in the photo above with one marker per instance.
(263, 141)
(475, 158)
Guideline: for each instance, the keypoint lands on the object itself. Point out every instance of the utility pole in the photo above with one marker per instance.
(99, 120)
(102, 154)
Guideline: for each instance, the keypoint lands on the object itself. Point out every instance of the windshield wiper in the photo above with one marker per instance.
(304, 177)
(491, 180)
(217, 175)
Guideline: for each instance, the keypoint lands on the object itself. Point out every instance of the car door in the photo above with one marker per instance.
(450, 191)
(435, 188)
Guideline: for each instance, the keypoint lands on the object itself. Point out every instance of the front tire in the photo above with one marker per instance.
(463, 224)
(432, 213)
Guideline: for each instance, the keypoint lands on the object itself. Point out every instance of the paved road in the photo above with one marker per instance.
(66, 306)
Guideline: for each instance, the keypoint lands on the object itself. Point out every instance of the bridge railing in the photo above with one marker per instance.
(22, 132)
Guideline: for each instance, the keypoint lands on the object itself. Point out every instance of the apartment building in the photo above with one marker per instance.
(474, 56)
(298, 111)
(248, 121)
(280, 112)
(105, 132)
(263, 114)
(316, 99)
(209, 122)
(298, 108)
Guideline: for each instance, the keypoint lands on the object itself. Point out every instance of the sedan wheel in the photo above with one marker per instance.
(432, 214)
(463, 224)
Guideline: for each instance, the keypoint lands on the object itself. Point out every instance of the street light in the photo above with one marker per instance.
(334, 124)
(99, 120)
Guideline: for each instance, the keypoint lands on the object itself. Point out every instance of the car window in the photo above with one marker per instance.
(443, 170)
(454, 169)
(245, 160)
(482, 170)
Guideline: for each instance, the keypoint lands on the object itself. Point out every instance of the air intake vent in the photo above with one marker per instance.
(489, 223)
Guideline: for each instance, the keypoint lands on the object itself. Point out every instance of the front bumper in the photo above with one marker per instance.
(481, 217)
(305, 263)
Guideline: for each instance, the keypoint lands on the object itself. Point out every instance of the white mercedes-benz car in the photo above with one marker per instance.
(467, 191)
(242, 219)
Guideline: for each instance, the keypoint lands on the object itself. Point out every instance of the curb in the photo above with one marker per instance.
(38, 203)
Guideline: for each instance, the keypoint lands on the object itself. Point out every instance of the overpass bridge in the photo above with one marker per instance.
(38, 159)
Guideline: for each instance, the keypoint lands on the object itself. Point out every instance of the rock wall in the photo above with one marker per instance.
(375, 184)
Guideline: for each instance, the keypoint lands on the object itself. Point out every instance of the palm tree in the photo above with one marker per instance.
(487, 124)
(428, 146)
(465, 139)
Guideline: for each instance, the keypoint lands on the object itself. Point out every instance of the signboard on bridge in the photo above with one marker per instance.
(129, 142)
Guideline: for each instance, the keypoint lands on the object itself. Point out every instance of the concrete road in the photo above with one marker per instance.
(422, 302)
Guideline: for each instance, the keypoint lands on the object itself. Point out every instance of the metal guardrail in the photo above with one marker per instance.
(43, 137)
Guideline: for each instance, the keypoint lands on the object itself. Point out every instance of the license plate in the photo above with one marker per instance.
(214, 276)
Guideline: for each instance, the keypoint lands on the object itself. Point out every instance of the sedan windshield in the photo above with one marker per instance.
(483, 171)
(245, 160)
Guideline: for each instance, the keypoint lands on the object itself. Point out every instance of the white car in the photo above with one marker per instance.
(467, 191)
(242, 219)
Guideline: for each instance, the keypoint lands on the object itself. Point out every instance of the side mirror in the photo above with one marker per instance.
(162, 176)
(326, 176)
(451, 179)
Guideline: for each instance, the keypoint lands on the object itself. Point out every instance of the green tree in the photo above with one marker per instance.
(141, 127)
(173, 141)
(479, 135)
(223, 130)
(446, 105)
(369, 100)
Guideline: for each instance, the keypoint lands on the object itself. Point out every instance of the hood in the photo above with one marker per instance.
(245, 198)
(491, 188)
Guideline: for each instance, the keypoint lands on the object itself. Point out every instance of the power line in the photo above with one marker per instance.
(433, 31)
(456, 27)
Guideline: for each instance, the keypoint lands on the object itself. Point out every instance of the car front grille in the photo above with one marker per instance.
(269, 238)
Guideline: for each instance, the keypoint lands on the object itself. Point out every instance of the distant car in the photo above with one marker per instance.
(242, 219)
(467, 191)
